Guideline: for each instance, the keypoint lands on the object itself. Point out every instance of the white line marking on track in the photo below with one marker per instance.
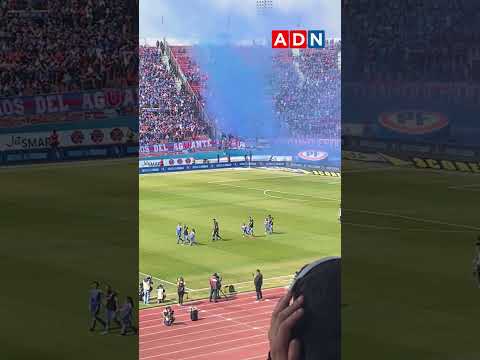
(165, 330)
(255, 357)
(199, 347)
(230, 349)
(184, 338)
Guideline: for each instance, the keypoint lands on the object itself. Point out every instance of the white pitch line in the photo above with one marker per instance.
(282, 192)
(254, 179)
(165, 281)
(414, 219)
(249, 282)
(389, 228)
(265, 192)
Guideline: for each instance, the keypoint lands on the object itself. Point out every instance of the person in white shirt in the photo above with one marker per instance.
(192, 237)
(160, 294)
(147, 287)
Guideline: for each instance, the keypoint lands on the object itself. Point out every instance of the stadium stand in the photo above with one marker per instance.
(168, 112)
(306, 90)
(44, 62)
(432, 47)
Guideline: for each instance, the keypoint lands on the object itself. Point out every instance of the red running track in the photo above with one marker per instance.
(234, 329)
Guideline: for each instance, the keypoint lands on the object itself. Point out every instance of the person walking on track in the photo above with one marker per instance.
(258, 282)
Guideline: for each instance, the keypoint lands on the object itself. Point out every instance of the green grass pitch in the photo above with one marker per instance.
(407, 247)
(305, 209)
(62, 226)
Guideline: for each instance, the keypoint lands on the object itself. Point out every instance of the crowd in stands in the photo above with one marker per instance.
(306, 90)
(168, 111)
(410, 40)
(308, 93)
(190, 69)
(36, 52)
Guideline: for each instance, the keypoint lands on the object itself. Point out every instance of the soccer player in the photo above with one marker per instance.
(267, 225)
(476, 263)
(251, 225)
(185, 234)
(192, 238)
(179, 233)
(216, 231)
(340, 213)
(111, 307)
(126, 316)
(270, 223)
(95, 304)
(244, 230)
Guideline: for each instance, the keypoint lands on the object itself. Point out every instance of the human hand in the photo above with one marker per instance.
(284, 318)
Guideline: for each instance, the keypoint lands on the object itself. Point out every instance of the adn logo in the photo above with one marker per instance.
(313, 155)
(413, 122)
(298, 39)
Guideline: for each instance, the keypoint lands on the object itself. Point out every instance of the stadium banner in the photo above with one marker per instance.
(370, 146)
(466, 161)
(301, 165)
(209, 166)
(67, 102)
(166, 162)
(359, 156)
(435, 163)
(193, 145)
(14, 157)
(76, 137)
(315, 169)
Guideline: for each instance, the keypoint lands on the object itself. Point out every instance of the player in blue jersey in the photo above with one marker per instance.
(179, 233)
(95, 303)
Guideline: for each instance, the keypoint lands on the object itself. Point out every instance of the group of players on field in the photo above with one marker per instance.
(188, 237)
(185, 236)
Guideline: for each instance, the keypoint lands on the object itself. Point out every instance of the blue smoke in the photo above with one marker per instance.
(238, 88)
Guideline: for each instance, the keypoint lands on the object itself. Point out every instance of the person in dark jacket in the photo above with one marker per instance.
(180, 289)
(258, 282)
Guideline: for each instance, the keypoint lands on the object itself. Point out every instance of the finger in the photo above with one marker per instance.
(291, 309)
(282, 303)
(294, 350)
(285, 328)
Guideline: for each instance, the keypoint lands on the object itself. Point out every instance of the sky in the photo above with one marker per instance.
(200, 21)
